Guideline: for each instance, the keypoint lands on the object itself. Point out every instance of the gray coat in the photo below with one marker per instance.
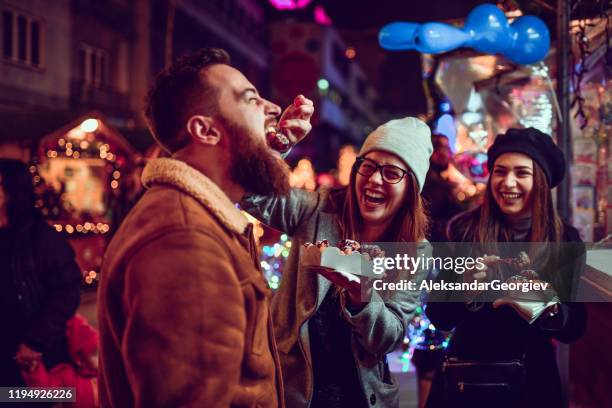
(377, 329)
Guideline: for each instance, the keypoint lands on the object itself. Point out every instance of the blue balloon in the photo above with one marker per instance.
(488, 28)
(531, 40)
(434, 38)
(397, 36)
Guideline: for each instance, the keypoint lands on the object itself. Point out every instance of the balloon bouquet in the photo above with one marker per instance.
(486, 29)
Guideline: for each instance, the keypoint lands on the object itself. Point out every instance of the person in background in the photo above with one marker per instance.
(39, 279)
(438, 191)
(441, 206)
(81, 373)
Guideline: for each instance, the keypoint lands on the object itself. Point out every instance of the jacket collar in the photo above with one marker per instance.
(184, 177)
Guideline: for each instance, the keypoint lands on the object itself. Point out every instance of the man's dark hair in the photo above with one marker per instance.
(180, 91)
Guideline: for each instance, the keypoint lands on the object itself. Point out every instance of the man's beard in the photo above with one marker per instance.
(253, 165)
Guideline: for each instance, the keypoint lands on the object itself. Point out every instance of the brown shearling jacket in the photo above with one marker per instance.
(183, 305)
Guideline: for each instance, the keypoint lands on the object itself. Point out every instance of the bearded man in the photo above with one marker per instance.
(183, 305)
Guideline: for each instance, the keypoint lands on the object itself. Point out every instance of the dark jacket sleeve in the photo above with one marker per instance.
(284, 213)
(570, 323)
(446, 309)
(61, 280)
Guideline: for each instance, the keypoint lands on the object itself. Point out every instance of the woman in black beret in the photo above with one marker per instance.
(501, 353)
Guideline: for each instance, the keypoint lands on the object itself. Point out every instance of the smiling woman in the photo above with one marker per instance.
(512, 184)
(525, 165)
(380, 192)
(386, 182)
(333, 337)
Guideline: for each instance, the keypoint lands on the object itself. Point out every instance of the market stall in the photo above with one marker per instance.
(83, 175)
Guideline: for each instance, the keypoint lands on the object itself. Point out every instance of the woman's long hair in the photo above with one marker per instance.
(19, 191)
(488, 225)
(408, 225)
(546, 225)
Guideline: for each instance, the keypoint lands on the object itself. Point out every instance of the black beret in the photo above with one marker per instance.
(535, 144)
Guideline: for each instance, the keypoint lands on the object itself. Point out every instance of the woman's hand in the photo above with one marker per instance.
(478, 274)
(295, 120)
(358, 291)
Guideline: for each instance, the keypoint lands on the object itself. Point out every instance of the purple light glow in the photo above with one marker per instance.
(321, 16)
(289, 4)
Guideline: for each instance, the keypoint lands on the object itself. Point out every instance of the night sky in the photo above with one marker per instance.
(396, 76)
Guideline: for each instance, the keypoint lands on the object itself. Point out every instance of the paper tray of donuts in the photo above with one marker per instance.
(531, 304)
(348, 257)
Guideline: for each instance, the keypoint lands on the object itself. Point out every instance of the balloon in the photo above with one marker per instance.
(397, 36)
(434, 38)
(488, 28)
(531, 40)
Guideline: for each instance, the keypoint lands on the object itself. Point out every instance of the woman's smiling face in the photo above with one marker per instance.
(512, 184)
(378, 199)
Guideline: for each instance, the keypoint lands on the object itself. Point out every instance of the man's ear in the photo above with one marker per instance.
(203, 130)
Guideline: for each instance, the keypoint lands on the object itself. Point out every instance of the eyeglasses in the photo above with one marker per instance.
(390, 174)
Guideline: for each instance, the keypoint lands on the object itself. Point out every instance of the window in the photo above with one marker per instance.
(22, 38)
(93, 62)
(7, 34)
(35, 49)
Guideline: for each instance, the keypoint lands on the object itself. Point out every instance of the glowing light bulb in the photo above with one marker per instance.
(89, 125)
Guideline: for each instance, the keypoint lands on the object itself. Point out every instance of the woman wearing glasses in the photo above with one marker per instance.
(332, 338)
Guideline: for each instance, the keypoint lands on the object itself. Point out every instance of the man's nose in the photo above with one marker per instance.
(272, 108)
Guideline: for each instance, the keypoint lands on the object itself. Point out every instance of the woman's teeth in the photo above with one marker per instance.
(511, 196)
(374, 197)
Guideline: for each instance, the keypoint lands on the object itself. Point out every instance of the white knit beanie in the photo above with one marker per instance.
(409, 139)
